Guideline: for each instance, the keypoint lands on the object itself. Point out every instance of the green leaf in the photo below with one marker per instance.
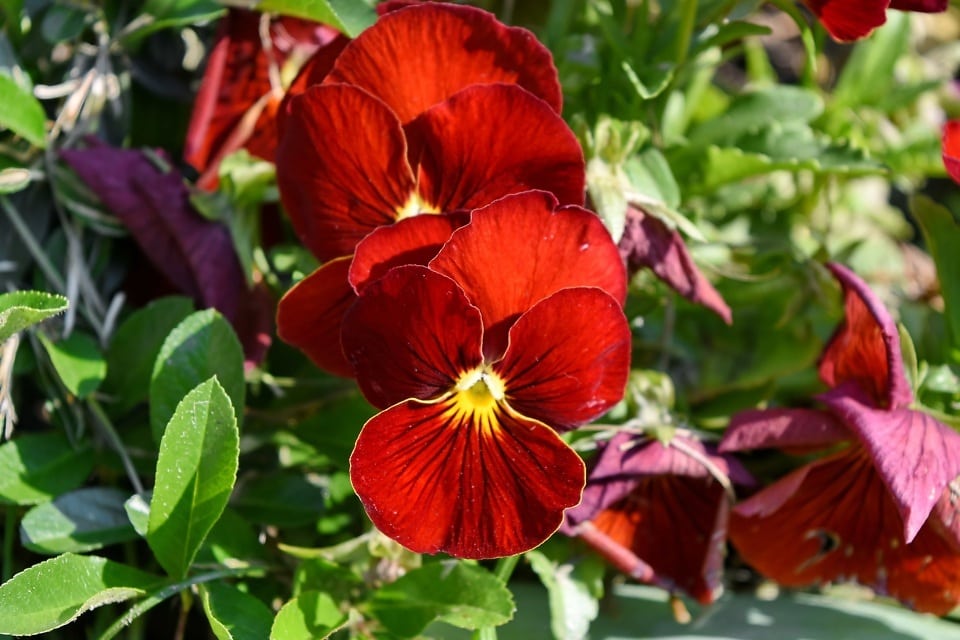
(51, 594)
(167, 14)
(134, 348)
(202, 345)
(755, 110)
(941, 232)
(461, 594)
(572, 606)
(36, 467)
(309, 616)
(233, 614)
(20, 309)
(137, 509)
(78, 362)
(638, 612)
(78, 521)
(281, 499)
(349, 16)
(62, 23)
(868, 75)
(21, 112)
(196, 469)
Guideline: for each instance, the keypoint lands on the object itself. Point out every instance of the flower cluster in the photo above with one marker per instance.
(881, 507)
(482, 331)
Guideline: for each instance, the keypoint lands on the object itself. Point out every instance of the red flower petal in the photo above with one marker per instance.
(951, 148)
(411, 334)
(848, 20)
(313, 72)
(648, 242)
(341, 168)
(677, 525)
(568, 358)
(487, 141)
(837, 522)
(237, 102)
(865, 349)
(310, 314)
(916, 456)
(437, 478)
(519, 250)
(416, 57)
(783, 429)
(920, 6)
(413, 240)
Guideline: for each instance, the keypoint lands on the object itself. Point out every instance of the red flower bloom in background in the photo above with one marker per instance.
(253, 60)
(356, 157)
(848, 20)
(514, 332)
(951, 148)
(658, 512)
(881, 511)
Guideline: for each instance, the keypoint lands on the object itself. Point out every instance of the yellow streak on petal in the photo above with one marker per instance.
(414, 207)
(477, 397)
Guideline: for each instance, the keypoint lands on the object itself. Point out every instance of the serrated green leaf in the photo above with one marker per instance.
(51, 594)
(134, 348)
(20, 309)
(233, 614)
(349, 16)
(196, 470)
(941, 232)
(309, 616)
(202, 345)
(572, 606)
(78, 362)
(461, 594)
(36, 467)
(78, 521)
(21, 112)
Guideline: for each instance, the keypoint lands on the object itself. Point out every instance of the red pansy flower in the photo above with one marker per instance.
(882, 510)
(848, 20)
(357, 157)
(658, 512)
(513, 332)
(951, 148)
(253, 60)
(649, 243)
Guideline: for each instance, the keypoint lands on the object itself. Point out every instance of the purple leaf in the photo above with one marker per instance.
(648, 243)
(196, 255)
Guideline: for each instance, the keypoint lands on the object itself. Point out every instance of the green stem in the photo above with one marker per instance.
(503, 571)
(36, 251)
(106, 427)
(159, 596)
(688, 19)
(9, 530)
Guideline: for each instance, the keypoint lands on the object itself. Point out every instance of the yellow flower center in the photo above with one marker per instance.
(414, 207)
(478, 391)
